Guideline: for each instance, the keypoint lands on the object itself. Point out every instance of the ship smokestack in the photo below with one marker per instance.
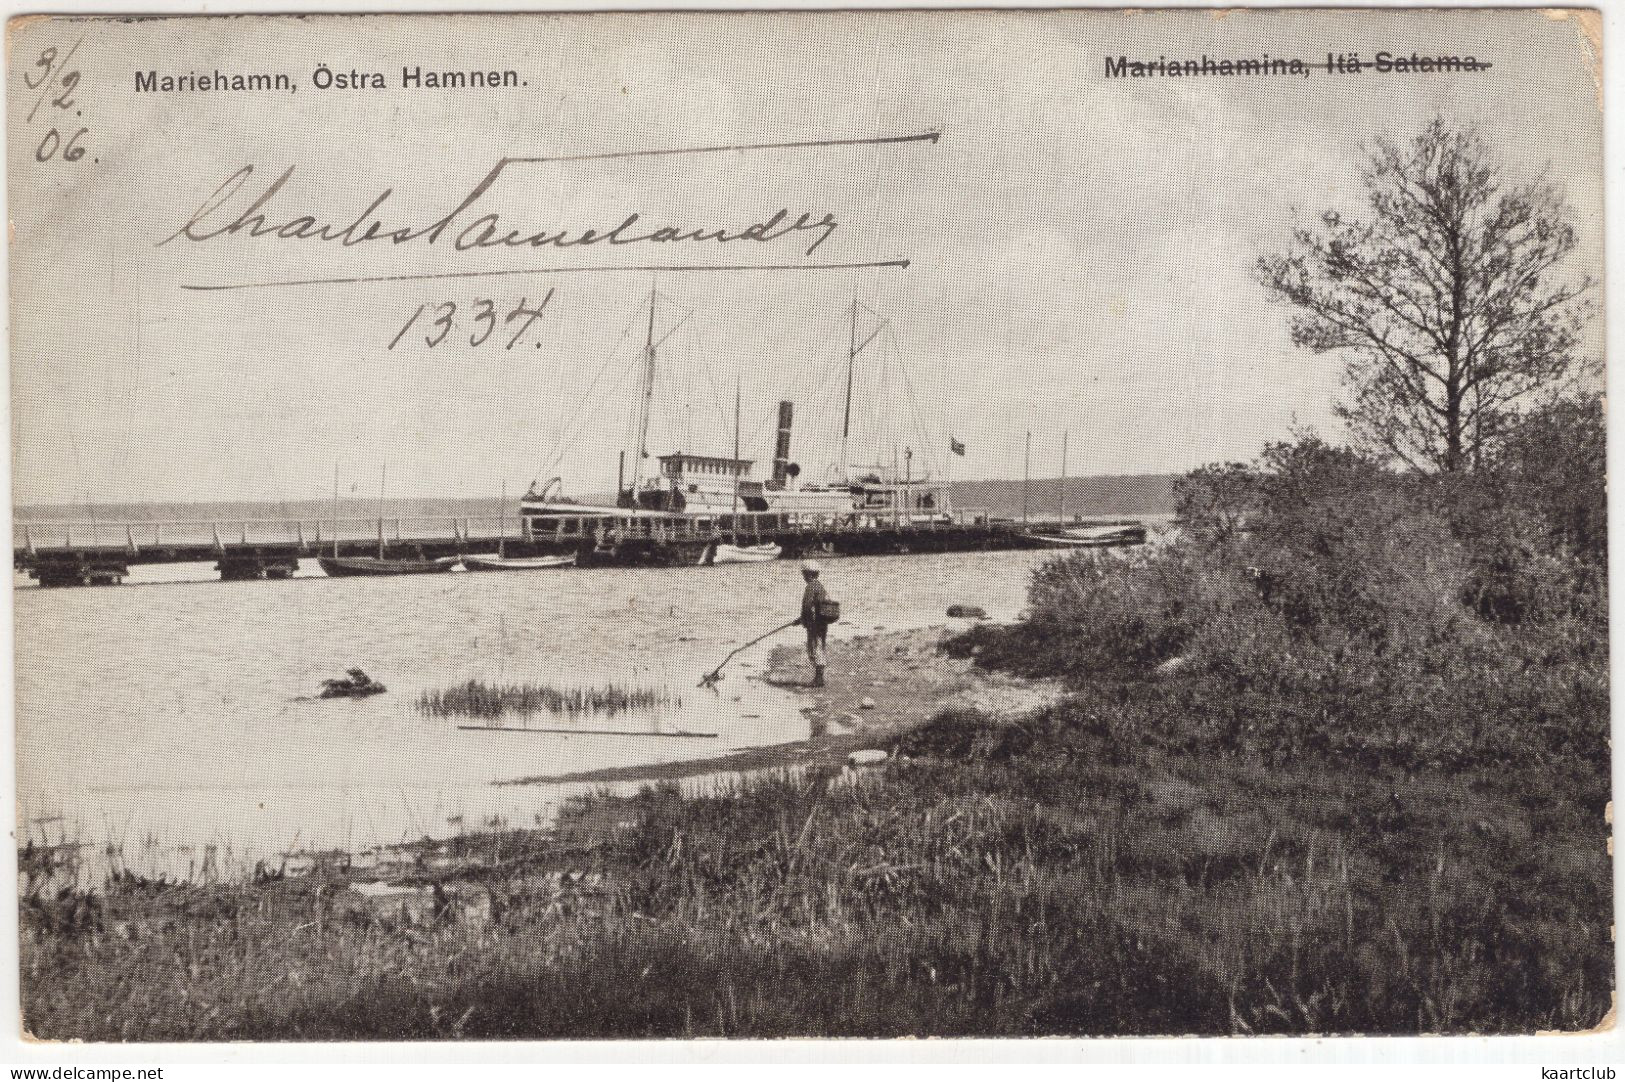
(781, 452)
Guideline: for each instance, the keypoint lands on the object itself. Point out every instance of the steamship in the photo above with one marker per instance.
(715, 487)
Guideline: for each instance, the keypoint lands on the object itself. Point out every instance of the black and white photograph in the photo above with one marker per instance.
(677, 526)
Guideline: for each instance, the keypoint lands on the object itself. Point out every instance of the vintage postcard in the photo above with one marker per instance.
(809, 524)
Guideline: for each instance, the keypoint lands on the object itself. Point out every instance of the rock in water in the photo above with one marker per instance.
(967, 612)
(868, 757)
(867, 703)
(1172, 666)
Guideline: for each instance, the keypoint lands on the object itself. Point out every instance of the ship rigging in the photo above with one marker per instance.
(691, 484)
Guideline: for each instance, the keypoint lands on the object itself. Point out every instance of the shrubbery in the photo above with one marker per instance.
(1423, 620)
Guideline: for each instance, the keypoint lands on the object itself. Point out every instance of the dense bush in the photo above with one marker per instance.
(1555, 461)
(1323, 603)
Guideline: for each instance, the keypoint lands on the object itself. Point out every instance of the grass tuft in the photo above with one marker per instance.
(477, 699)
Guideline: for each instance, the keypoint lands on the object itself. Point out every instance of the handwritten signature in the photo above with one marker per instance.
(242, 205)
(238, 206)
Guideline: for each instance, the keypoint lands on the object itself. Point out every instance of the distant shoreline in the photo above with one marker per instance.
(1112, 494)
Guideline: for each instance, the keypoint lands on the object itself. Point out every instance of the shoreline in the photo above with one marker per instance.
(438, 784)
(1014, 873)
(903, 674)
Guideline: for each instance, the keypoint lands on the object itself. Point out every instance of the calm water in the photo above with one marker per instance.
(164, 717)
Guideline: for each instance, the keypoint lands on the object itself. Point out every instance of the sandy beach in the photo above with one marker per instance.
(878, 686)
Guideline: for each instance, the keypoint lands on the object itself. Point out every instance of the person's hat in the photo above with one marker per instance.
(810, 567)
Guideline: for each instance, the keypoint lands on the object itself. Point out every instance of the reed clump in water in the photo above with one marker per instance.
(477, 699)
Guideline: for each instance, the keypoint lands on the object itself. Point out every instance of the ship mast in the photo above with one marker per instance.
(853, 348)
(335, 509)
(736, 460)
(646, 402)
(846, 417)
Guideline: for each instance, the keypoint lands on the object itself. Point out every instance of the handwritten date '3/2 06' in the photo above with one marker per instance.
(53, 87)
(438, 320)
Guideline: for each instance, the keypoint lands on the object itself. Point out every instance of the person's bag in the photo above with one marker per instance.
(829, 610)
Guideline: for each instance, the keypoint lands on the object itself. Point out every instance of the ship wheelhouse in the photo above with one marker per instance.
(690, 482)
(685, 467)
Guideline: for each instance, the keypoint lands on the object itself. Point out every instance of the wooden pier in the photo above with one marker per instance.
(102, 553)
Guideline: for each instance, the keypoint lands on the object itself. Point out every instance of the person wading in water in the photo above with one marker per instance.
(817, 613)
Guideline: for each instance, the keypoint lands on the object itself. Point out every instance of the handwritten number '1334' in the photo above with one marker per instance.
(482, 320)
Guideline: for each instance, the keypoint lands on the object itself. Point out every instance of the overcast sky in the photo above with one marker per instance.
(1081, 247)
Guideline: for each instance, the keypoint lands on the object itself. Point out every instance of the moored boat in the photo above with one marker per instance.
(344, 566)
(724, 553)
(1091, 537)
(496, 562)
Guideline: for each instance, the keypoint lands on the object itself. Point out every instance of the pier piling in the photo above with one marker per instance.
(83, 554)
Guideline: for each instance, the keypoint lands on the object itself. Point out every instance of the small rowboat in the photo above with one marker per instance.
(1097, 537)
(741, 554)
(495, 562)
(345, 566)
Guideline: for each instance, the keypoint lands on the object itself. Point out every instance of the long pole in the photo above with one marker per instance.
(502, 520)
(1063, 477)
(895, 495)
(908, 481)
(851, 360)
(335, 508)
(736, 461)
(1026, 472)
(710, 678)
(383, 472)
(646, 406)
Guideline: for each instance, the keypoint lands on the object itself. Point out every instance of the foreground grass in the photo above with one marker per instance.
(1040, 876)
